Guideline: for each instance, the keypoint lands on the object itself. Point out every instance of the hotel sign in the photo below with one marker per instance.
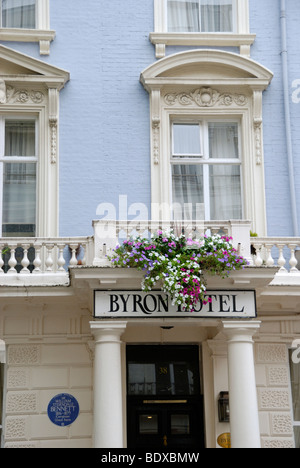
(157, 304)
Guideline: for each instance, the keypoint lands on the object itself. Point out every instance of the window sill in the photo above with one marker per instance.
(43, 36)
(160, 40)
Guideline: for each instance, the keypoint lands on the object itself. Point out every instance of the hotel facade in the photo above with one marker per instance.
(118, 120)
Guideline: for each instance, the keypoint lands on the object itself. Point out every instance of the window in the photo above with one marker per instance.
(295, 380)
(216, 23)
(26, 21)
(19, 177)
(19, 14)
(207, 139)
(206, 171)
(201, 15)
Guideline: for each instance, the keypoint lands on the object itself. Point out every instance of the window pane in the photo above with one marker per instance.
(159, 375)
(223, 140)
(141, 379)
(20, 138)
(200, 16)
(180, 424)
(216, 16)
(186, 140)
(19, 199)
(18, 14)
(183, 16)
(225, 192)
(188, 193)
(148, 424)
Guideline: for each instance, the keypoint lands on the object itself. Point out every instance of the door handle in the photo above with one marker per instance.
(165, 441)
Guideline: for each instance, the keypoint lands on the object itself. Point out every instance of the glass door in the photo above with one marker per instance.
(165, 404)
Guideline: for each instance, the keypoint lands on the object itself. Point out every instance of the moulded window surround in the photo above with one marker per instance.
(239, 36)
(41, 33)
(207, 86)
(32, 93)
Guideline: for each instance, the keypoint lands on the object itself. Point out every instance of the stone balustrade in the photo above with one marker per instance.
(46, 261)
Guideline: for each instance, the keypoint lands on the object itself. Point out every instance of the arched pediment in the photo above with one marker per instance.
(202, 65)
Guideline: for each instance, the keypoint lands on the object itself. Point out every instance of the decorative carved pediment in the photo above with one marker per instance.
(205, 97)
(24, 96)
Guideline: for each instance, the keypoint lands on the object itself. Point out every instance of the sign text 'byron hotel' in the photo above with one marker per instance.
(156, 304)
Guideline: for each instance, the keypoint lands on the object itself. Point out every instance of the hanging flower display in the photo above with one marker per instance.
(179, 263)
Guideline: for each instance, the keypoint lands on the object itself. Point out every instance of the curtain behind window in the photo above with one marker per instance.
(216, 16)
(200, 16)
(188, 192)
(225, 180)
(183, 16)
(19, 180)
(19, 14)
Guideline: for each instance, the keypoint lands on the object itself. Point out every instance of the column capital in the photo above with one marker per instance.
(108, 331)
(239, 331)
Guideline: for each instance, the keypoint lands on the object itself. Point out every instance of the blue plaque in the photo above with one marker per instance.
(63, 410)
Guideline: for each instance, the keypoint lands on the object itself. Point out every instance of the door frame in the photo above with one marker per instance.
(158, 404)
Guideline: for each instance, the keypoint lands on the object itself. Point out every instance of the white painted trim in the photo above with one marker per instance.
(35, 94)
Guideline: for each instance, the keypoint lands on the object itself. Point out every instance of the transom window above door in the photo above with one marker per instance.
(201, 15)
(206, 171)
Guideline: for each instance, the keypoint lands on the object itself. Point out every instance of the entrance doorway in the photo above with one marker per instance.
(164, 400)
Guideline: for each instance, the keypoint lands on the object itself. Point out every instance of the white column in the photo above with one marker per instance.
(108, 398)
(244, 419)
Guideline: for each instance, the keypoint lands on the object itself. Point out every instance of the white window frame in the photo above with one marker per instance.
(241, 36)
(203, 159)
(11, 159)
(41, 34)
(234, 18)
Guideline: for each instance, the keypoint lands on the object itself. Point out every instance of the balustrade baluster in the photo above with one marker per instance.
(270, 260)
(281, 259)
(37, 262)
(49, 260)
(61, 260)
(258, 259)
(12, 262)
(73, 261)
(25, 261)
(293, 261)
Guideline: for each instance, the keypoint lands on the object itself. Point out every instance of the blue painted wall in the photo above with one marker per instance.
(104, 117)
